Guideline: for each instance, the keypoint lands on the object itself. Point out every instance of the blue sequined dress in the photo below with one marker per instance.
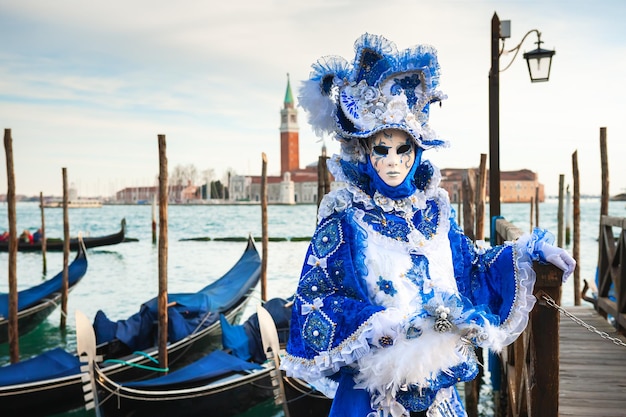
(393, 298)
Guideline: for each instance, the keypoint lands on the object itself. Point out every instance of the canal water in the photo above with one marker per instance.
(122, 276)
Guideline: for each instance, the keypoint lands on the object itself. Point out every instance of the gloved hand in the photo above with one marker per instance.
(557, 257)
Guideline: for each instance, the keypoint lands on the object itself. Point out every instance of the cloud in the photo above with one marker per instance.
(90, 85)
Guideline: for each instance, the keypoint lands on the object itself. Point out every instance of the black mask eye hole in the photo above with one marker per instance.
(381, 150)
(404, 149)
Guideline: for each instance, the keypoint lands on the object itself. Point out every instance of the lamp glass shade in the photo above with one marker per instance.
(539, 62)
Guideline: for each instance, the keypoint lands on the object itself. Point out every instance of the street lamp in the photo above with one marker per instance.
(539, 62)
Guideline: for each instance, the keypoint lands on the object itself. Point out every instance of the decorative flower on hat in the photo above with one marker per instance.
(383, 88)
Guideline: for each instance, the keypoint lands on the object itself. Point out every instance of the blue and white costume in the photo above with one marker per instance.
(393, 297)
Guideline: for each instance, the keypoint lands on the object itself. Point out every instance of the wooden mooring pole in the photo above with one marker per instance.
(568, 210)
(604, 197)
(66, 252)
(14, 348)
(323, 176)
(531, 364)
(162, 296)
(475, 190)
(320, 179)
(536, 206)
(264, 237)
(154, 222)
(43, 235)
(559, 239)
(467, 185)
(604, 204)
(532, 213)
(481, 192)
(576, 248)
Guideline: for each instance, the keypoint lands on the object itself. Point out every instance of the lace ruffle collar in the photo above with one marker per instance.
(354, 193)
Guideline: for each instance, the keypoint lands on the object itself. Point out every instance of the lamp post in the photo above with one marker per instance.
(539, 62)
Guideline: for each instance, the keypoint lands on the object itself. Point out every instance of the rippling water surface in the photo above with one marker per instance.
(121, 277)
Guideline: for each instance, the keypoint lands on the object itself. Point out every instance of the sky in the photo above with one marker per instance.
(89, 86)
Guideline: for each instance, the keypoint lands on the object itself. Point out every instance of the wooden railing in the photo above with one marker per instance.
(530, 366)
(611, 299)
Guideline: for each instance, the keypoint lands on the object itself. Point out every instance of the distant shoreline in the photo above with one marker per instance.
(217, 202)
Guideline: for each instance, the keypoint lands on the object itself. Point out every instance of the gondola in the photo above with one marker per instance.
(304, 400)
(297, 397)
(35, 304)
(221, 383)
(56, 245)
(58, 390)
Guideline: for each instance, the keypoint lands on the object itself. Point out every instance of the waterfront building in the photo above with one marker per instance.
(145, 195)
(515, 186)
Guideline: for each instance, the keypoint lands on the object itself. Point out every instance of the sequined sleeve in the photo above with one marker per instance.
(499, 278)
(331, 315)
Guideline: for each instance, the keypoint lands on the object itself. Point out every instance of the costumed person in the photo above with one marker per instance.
(393, 297)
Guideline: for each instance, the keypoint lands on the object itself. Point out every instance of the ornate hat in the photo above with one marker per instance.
(382, 89)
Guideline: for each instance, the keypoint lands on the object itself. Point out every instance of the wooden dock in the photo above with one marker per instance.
(592, 369)
(558, 367)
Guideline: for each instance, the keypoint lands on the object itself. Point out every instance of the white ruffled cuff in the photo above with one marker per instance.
(372, 333)
(524, 301)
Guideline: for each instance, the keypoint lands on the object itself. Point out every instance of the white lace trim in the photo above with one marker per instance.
(326, 386)
(446, 404)
(524, 301)
(347, 353)
(343, 198)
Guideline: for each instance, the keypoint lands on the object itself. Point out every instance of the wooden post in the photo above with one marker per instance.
(472, 388)
(162, 297)
(320, 179)
(459, 217)
(560, 212)
(604, 198)
(327, 175)
(14, 348)
(468, 203)
(531, 363)
(323, 177)
(154, 215)
(544, 322)
(43, 235)
(604, 204)
(66, 252)
(536, 206)
(481, 191)
(576, 249)
(468, 192)
(568, 218)
(532, 213)
(264, 237)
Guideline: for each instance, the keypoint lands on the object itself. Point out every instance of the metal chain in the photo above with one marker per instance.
(578, 321)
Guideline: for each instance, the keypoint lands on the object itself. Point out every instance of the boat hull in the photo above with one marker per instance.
(29, 319)
(38, 398)
(56, 245)
(222, 398)
(33, 313)
(43, 398)
(303, 400)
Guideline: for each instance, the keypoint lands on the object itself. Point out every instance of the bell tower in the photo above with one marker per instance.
(289, 136)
